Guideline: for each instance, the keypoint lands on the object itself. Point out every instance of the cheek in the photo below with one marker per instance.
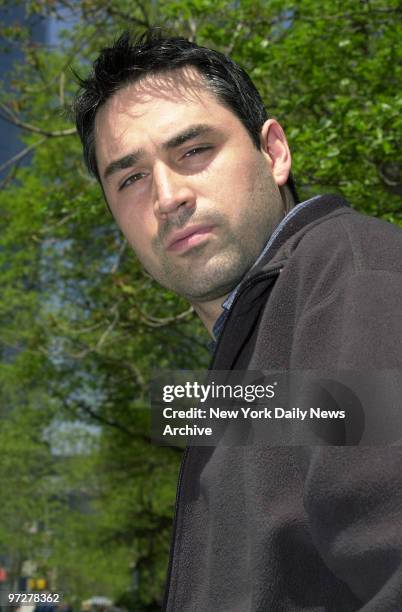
(139, 230)
(233, 181)
(236, 172)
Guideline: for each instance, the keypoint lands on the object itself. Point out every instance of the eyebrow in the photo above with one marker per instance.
(193, 131)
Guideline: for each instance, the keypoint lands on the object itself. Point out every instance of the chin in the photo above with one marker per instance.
(217, 278)
(203, 292)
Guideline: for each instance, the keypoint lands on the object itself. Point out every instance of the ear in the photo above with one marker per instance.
(276, 150)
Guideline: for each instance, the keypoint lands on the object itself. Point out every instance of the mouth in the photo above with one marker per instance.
(187, 238)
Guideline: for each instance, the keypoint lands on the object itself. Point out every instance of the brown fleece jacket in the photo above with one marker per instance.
(312, 528)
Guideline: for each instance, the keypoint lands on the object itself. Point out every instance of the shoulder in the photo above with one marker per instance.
(339, 251)
(357, 240)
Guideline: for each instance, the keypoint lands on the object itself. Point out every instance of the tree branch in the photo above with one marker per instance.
(110, 423)
(9, 177)
(152, 321)
(11, 118)
(101, 419)
(96, 349)
(120, 254)
(300, 17)
(127, 17)
(19, 156)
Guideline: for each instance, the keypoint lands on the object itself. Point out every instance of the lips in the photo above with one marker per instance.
(187, 237)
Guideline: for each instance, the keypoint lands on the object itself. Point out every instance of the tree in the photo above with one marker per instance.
(79, 314)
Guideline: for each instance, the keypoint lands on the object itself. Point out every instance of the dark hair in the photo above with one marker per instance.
(129, 60)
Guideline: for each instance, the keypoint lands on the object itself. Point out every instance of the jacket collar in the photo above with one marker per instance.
(295, 220)
(298, 218)
(266, 269)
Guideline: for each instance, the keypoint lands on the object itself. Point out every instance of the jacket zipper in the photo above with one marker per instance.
(252, 281)
(173, 540)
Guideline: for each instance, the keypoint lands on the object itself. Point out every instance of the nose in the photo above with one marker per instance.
(172, 191)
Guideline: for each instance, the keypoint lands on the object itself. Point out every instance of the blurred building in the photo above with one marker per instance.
(9, 55)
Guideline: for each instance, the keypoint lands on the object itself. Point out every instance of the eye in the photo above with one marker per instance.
(133, 178)
(197, 151)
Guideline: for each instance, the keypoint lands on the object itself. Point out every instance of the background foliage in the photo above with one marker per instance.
(87, 497)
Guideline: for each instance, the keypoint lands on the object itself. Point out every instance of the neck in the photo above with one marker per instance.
(209, 312)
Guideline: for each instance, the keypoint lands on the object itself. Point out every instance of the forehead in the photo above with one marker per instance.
(157, 106)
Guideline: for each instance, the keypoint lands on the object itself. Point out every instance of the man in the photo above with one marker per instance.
(198, 179)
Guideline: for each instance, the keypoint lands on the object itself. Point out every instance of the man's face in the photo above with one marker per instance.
(184, 181)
